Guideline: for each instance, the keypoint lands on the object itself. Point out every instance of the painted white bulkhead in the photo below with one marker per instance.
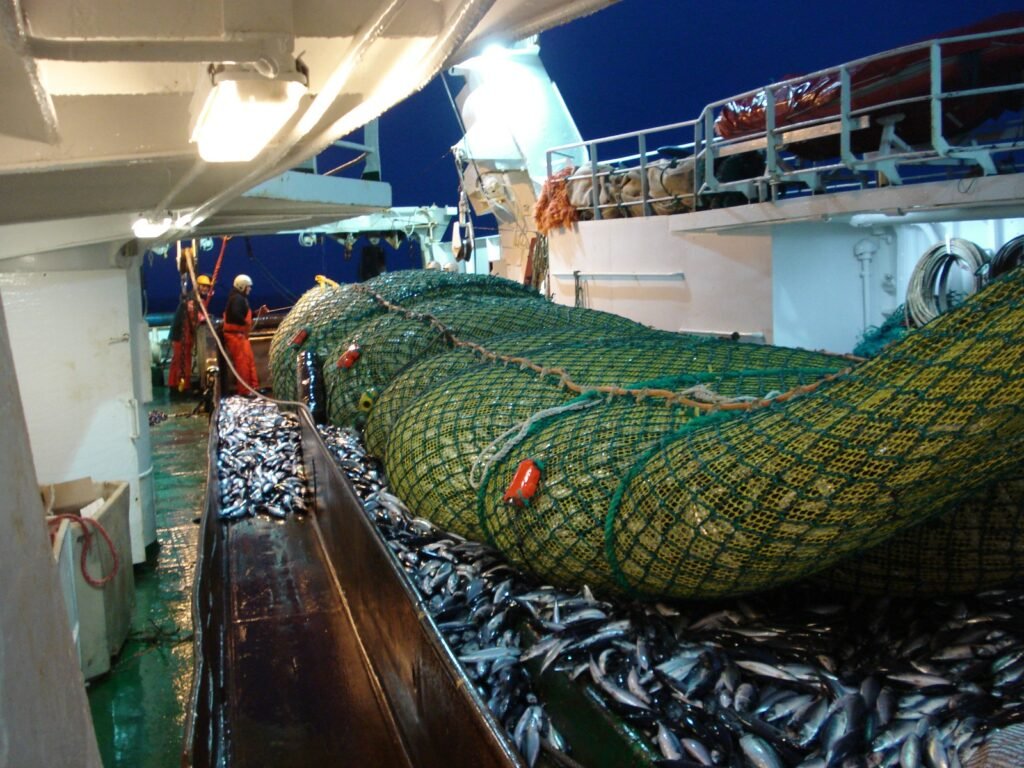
(81, 360)
(44, 714)
(818, 295)
(700, 283)
(798, 285)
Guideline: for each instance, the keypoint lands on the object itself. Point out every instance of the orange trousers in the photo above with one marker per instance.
(179, 376)
(240, 351)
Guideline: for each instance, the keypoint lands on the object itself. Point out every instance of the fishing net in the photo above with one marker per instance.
(670, 465)
(734, 504)
(976, 546)
(448, 439)
(324, 316)
(389, 343)
(877, 338)
(423, 375)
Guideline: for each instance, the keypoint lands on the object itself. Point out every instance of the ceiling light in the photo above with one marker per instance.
(236, 110)
(151, 226)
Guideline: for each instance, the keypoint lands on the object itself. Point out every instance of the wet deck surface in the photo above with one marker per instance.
(138, 708)
(297, 690)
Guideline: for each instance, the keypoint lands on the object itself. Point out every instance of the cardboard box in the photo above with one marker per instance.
(102, 615)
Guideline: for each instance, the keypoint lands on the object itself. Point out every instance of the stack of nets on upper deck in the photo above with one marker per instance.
(657, 477)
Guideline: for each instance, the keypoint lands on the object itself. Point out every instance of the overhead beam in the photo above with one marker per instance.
(130, 49)
(28, 111)
(100, 130)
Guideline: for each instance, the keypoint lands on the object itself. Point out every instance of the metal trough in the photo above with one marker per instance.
(311, 648)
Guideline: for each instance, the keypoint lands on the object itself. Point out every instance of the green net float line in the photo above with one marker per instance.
(419, 377)
(392, 342)
(978, 545)
(586, 453)
(766, 497)
(330, 313)
(437, 438)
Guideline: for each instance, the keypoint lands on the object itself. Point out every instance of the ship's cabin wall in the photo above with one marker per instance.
(821, 300)
(81, 357)
(44, 715)
(702, 283)
(815, 285)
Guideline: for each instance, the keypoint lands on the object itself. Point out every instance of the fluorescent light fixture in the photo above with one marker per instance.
(236, 110)
(151, 226)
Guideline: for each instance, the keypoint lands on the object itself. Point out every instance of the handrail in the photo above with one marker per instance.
(785, 171)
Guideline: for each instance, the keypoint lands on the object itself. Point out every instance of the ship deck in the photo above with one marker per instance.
(139, 707)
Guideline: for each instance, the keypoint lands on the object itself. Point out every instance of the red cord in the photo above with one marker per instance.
(98, 583)
(216, 271)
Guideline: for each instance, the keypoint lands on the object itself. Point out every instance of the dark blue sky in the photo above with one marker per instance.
(643, 63)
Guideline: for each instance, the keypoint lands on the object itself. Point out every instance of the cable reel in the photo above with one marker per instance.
(928, 291)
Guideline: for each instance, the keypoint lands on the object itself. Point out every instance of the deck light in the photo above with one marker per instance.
(151, 226)
(239, 107)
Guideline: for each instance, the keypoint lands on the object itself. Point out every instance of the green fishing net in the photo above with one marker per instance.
(669, 465)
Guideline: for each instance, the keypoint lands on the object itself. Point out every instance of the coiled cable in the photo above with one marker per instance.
(1009, 256)
(928, 295)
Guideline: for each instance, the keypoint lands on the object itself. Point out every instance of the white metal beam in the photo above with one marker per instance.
(27, 110)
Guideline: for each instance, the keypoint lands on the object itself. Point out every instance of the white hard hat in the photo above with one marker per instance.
(242, 282)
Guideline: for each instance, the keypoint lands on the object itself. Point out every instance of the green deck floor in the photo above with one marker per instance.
(138, 708)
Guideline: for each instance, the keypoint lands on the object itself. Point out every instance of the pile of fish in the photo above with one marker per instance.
(156, 417)
(259, 460)
(471, 594)
(789, 678)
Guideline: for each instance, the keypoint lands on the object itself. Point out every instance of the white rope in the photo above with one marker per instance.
(511, 437)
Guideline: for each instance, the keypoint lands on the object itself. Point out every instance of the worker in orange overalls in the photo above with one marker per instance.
(183, 336)
(237, 324)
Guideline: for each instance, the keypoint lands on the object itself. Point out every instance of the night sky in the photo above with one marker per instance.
(645, 63)
(637, 64)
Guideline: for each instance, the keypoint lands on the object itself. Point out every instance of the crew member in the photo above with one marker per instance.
(183, 336)
(237, 324)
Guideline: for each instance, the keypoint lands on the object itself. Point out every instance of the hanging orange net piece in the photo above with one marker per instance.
(553, 208)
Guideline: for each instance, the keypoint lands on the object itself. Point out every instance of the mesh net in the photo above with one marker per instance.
(438, 447)
(738, 504)
(331, 314)
(656, 478)
(976, 546)
(421, 376)
(390, 343)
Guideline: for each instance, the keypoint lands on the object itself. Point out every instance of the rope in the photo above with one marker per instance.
(216, 271)
(511, 437)
(347, 164)
(514, 435)
(926, 291)
(669, 396)
(54, 520)
(1009, 256)
(267, 273)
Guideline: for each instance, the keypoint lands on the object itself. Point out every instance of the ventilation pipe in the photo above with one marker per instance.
(864, 251)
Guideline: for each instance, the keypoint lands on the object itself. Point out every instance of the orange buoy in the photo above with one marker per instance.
(300, 338)
(524, 484)
(349, 357)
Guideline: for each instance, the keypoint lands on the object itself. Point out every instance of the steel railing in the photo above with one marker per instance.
(785, 171)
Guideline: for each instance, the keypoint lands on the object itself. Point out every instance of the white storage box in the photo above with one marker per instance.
(100, 617)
